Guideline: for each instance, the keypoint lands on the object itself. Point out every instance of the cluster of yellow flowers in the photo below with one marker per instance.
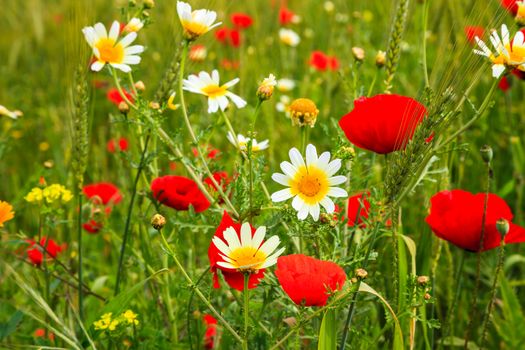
(107, 322)
(50, 193)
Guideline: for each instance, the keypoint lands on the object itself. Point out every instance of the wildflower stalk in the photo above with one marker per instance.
(473, 307)
(119, 88)
(170, 76)
(304, 138)
(192, 133)
(250, 155)
(394, 43)
(426, 8)
(197, 291)
(130, 212)
(488, 312)
(246, 305)
(79, 164)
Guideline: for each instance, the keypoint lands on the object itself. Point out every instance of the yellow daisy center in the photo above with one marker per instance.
(214, 91)
(109, 52)
(311, 184)
(247, 258)
(517, 54)
(194, 28)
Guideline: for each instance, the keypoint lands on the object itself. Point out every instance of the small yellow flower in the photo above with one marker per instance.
(130, 317)
(50, 193)
(6, 212)
(104, 322)
(172, 105)
(35, 195)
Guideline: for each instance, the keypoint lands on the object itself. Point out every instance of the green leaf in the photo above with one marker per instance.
(328, 332)
(8, 328)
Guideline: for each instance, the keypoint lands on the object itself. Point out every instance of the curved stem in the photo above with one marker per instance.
(128, 218)
(119, 88)
(250, 156)
(246, 305)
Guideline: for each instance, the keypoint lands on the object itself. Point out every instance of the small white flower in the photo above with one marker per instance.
(506, 54)
(195, 23)
(289, 37)
(249, 253)
(269, 82)
(218, 95)
(310, 183)
(242, 143)
(282, 105)
(11, 114)
(134, 25)
(107, 49)
(285, 85)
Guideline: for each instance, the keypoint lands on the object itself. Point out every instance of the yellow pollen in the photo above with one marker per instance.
(247, 258)
(194, 29)
(310, 184)
(109, 52)
(303, 112)
(214, 91)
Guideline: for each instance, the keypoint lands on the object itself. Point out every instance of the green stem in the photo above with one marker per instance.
(250, 155)
(246, 305)
(119, 88)
(424, 42)
(130, 212)
(79, 238)
(198, 292)
(304, 138)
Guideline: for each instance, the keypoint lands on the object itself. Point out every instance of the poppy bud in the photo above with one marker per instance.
(359, 53)
(423, 280)
(427, 296)
(139, 85)
(486, 153)
(123, 107)
(361, 273)
(380, 59)
(149, 4)
(303, 112)
(158, 221)
(503, 227)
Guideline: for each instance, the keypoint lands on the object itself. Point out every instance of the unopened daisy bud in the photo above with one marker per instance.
(380, 59)
(48, 164)
(353, 280)
(358, 53)
(427, 296)
(139, 85)
(303, 111)
(329, 219)
(346, 153)
(503, 227)
(486, 153)
(123, 107)
(423, 280)
(158, 221)
(265, 90)
(290, 321)
(149, 4)
(172, 105)
(134, 25)
(154, 105)
(361, 273)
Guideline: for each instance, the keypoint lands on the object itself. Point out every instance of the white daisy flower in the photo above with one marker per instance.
(195, 23)
(285, 85)
(289, 37)
(248, 254)
(218, 95)
(242, 143)
(134, 25)
(107, 50)
(282, 105)
(11, 114)
(310, 183)
(506, 54)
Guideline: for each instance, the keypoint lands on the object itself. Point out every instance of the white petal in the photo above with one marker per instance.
(97, 66)
(223, 102)
(215, 76)
(128, 39)
(324, 159)
(303, 213)
(281, 195)
(336, 180)
(231, 237)
(100, 30)
(311, 155)
(328, 204)
(298, 203)
(114, 30)
(270, 245)
(123, 67)
(133, 50)
(213, 105)
(296, 157)
(337, 192)
(497, 70)
(288, 169)
(230, 83)
(281, 179)
(314, 211)
(246, 235)
(333, 167)
(258, 237)
(268, 262)
(90, 35)
(239, 102)
(219, 243)
(132, 59)
(225, 265)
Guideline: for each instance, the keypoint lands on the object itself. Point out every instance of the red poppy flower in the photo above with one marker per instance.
(334, 63)
(122, 145)
(358, 209)
(235, 38)
(222, 34)
(319, 60)
(92, 226)
(179, 192)
(233, 278)
(103, 192)
(36, 255)
(230, 65)
(212, 152)
(241, 20)
(114, 96)
(474, 31)
(456, 216)
(286, 16)
(518, 73)
(306, 280)
(211, 331)
(198, 53)
(41, 332)
(221, 177)
(383, 123)
(510, 5)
